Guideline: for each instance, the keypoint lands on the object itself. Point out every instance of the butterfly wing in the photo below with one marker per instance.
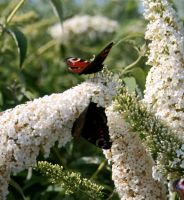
(97, 64)
(178, 186)
(76, 65)
(80, 66)
(79, 124)
(92, 125)
(95, 128)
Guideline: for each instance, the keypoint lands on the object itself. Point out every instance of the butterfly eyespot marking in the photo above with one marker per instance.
(75, 59)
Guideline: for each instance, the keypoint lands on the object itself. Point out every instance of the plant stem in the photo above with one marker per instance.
(9, 18)
(100, 167)
(131, 65)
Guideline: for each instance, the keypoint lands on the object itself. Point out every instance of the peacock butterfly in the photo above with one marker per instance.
(80, 66)
(92, 125)
(178, 186)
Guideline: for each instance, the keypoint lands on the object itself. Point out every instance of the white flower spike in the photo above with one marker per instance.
(36, 125)
(164, 91)
(131, 163)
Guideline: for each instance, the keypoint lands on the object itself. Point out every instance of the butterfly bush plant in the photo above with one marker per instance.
(161, 128)
(164, 85)
(146, 148)
(163, 96)
(35, 126)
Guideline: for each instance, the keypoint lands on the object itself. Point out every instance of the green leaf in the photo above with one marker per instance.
(18, 188)
(58, 8)
(130, 83)
(1, 99)
(29, 95)
(140, 76)
(20, 41)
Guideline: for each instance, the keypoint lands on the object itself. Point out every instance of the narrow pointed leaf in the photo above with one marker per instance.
(20, 41)
(140, 76)
(58, 8)
(18, 188)
(1, 99)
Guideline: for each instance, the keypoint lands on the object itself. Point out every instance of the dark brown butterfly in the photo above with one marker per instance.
(178, 186)
(92, 125)
(80, 66)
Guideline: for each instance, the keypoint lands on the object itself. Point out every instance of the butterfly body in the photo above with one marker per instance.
(80, 66)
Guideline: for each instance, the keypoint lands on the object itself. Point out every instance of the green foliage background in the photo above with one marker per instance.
(44, 72)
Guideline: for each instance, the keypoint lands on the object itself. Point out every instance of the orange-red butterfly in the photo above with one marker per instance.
(80, 66)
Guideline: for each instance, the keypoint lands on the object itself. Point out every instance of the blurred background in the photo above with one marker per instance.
(83, 29)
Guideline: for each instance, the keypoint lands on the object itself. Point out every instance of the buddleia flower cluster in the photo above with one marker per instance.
(72, 182)
(131, 163)
(165, 81)
(164, 93)
(83, 28)
(35, 126)
(143, 149)
(158, 119)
